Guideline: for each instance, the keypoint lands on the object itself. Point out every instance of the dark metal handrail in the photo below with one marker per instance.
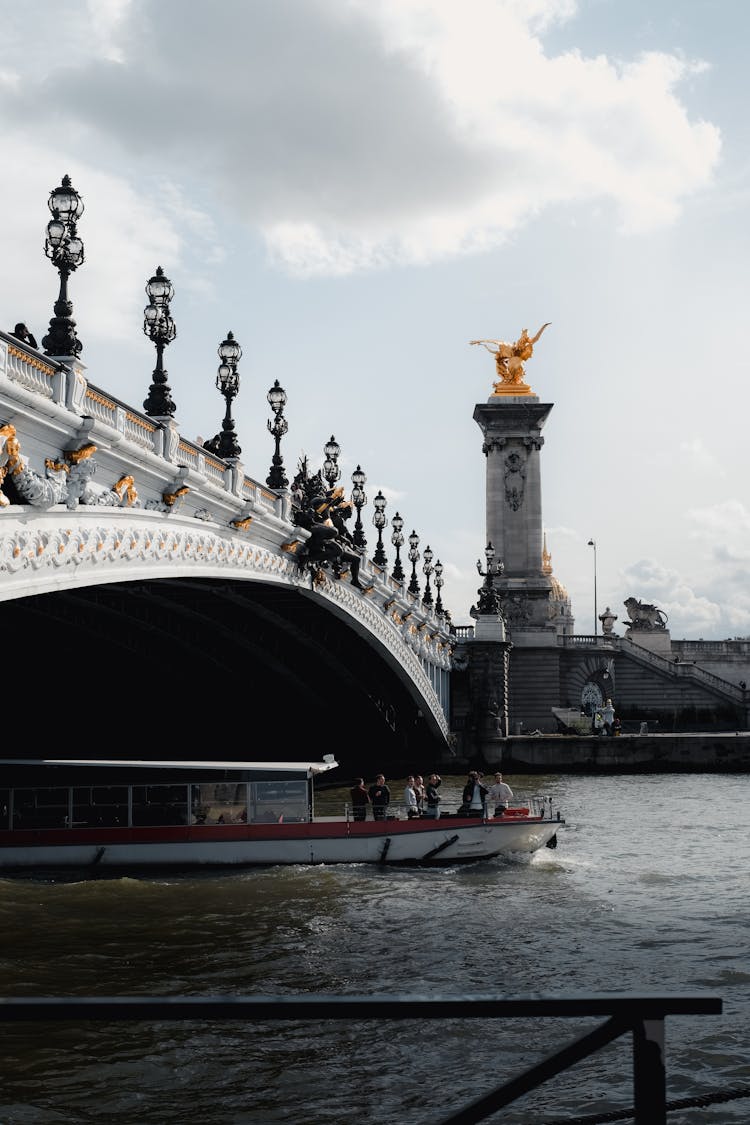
(641, 1015)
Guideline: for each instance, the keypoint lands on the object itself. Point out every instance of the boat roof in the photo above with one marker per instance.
(328, 763)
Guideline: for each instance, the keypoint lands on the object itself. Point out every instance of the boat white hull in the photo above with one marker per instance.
(443, 841)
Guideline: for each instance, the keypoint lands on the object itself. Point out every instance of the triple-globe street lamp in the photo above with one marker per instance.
(378, 519)
(427, 569)
(225, 444)
(359, 499)
(397, 539)
(331, 470)
(277, 478)
(439, 580)
(64, 249)
(160, 329)
(413, 586)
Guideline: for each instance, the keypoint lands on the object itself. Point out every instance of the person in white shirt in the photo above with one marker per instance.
(421, 791)
(500, 793)
(608, 715)
(410, 799)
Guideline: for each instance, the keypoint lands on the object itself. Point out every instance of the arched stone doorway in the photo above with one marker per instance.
(599, 686)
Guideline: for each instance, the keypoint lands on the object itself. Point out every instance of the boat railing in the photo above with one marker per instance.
(641, 1016)
(534, 806)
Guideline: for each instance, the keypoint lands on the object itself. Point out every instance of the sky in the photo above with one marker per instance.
(358, 188)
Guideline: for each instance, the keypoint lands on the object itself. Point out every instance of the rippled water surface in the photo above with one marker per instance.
(646, 892)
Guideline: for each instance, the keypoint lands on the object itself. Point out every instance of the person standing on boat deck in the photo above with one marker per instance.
(380, 795)
(499, 793)
(419, 789)
(608, 715)
(474, 795)
(360, 799)
(432, 797)
(410, 799)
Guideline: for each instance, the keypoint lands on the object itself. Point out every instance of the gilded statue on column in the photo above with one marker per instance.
(509, 361)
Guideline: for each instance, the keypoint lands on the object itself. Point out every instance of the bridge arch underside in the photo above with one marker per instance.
(194, 668)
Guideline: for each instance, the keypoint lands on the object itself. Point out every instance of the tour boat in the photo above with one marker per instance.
(117, 816)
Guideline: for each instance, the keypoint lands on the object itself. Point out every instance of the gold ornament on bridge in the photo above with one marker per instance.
(171, 498)
(509, 361)
(10, 457)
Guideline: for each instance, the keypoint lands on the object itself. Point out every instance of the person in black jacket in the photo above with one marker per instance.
(380, 795)
(432, 797)
(360, 799)
(21, 332)
(474, 795)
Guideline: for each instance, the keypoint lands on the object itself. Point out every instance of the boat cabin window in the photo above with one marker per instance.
(40, 808)
(100, 806)
(160, 804)
(4, 808)
(257, 802)
(222, 802)
(278, 800)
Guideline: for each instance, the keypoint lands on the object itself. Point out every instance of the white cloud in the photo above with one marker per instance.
(361, 136)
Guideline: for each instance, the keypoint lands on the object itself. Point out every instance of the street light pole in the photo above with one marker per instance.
(592, 543)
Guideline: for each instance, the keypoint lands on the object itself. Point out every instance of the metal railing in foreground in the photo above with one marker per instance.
(642, 1016)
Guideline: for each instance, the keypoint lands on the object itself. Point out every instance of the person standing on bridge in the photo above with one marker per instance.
(380, 796)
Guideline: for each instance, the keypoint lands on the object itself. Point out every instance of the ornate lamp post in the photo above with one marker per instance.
(439, 580)
(397, 539)
(160, 329)
(64, 249)
(277, 400)
(592, 543)
(331, 470)
(427, 569)
(378, 519)
(228, 382)
(413, 559)
(359, 499)
(488, 600)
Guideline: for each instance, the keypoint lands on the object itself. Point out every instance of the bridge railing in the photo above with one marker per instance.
(641, 1016)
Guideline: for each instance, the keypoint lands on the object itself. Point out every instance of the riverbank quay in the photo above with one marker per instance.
(707, 752)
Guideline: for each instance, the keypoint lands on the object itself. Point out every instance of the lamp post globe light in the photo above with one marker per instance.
(378, 519)
(225, 444)
(359, 499)
(439, 580)
(397, 539)
(277, 401)
(331, 470)
(427, 570)
(64, 249)
(160, 329)
(592, 543)
(413, 586)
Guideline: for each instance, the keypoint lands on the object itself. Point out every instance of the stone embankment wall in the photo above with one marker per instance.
(651, 753)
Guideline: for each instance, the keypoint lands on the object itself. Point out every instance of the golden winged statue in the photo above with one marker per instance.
(509, 361)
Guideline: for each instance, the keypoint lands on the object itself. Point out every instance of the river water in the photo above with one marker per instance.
(646, 892)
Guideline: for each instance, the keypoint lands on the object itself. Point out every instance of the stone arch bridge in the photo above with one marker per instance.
(152, 600)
